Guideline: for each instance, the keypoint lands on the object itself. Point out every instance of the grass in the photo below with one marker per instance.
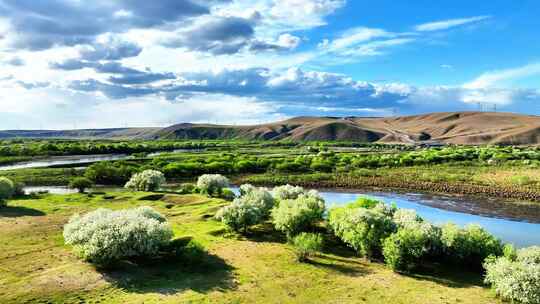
(36, 267)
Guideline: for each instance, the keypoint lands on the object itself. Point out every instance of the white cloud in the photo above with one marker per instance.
(446, 24)
(497, 78)
(353, 37)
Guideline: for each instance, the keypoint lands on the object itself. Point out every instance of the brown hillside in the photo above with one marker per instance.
(451, 127)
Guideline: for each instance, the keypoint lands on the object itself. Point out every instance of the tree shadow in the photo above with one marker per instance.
(447, 275)
(264, 233)
(18, 211)
(171, 275)
(343, 266)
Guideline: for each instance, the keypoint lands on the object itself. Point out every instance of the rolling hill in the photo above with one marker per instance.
(446, 128)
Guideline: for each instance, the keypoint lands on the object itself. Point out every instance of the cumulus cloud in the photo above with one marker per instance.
(217, 35)
(110, 49)
(304, 13)
(13, 61)
(38, 25)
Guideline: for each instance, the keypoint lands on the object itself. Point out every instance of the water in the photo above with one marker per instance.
(519, 225)
(521, 231)
(82, 159)
(64, 160)
(67, 190)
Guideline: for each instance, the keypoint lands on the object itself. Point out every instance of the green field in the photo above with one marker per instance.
(36, 266)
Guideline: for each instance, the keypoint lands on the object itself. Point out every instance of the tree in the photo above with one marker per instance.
(81, 184)
(7, 189)
(212, 184)
(148, 180)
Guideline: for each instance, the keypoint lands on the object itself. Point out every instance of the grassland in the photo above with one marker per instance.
(36, 267)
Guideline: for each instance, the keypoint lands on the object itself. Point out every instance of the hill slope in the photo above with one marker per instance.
(450, 127)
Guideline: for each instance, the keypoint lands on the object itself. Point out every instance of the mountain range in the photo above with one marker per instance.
(441, 128)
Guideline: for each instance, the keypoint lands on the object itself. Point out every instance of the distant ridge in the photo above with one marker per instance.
(445, 128)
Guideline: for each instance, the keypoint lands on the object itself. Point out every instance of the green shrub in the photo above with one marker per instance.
(212, 184)
(363, 229)
(240, 215)
(516, 278)
(287, 192)
(299, 215)
(7, 189)
(105, 236)
(469, 246)
(406, 217)
(148, 180)
(81, 184)
(227, 194)
(404, 249)
(307, 245)
(251, 208)
(187, 188)
(19, 189)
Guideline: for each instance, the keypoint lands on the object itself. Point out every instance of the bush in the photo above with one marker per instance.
(187, 188)
(81, 184)
(7, 189)
(406, 217)
(404, 249)
(104, 236)
(19, 189)
(252, 208)
(469, 246)
(299, 215)
(287, 192)
(361, 228)
(306, 245)
(227, 194)
(240, 215)
(148, 180)
(516, 278)
(212, 184)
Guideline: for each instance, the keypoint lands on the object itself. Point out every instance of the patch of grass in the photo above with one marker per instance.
(36, 266)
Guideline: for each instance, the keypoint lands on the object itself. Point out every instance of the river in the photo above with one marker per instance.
(514, 223)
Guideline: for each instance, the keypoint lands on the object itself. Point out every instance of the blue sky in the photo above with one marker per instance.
(67, 63)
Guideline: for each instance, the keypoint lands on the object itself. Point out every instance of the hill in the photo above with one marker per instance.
(449, 128)
(444, 128)
(82, 133)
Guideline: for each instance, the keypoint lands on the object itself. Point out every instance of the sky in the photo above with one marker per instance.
(68, 64)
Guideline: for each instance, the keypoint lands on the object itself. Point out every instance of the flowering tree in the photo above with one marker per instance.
(148, 180)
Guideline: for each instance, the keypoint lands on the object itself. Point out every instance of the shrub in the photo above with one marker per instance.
(187, 188)
(246, 188)
(299, 215)
(7, 189)
(517, 278)
(287, 192)
(227, 194)
(148, 180)
(252, 208)
(469, 246)
(362, 228)
(404, 249)
(261, 198)
(406, 217)
(240, 215)
(529, 255)
(104, 236)
(19, 189)
(212, 183)
(306, 245)
(81, 184)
